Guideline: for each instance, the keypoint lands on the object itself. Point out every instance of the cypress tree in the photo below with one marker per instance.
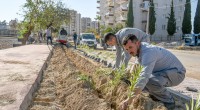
(197, 19)
(171, 25)
(130, 18)
(186, 24)
(152, 18)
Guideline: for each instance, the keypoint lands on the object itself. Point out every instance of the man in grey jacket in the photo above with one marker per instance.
(161, 69)
(116, 40)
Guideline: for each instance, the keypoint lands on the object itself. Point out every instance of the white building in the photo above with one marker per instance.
(78, 23)
(74, 24)
(73, 14)
(112, 12)
(115, 11)
(94, 25)
(162, 10)
(85, 24)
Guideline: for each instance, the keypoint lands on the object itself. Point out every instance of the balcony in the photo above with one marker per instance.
(110, 22)
(98, 1)
(144, 21)
(122, 9)
(98, 12)
(98, 7)
(121, 1)
(109, 14)
(111, 4)
(123, 18)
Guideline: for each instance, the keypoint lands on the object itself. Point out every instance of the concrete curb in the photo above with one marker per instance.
(196, 48)
(180, 96)
(28, 98)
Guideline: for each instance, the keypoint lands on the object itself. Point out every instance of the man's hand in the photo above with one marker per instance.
(124, 104)
(128, 101)
(133, 67)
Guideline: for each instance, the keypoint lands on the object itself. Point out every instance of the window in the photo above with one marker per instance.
(180, 0)
(155, 4)
(179, 18)
(180, 8)
(163, 27)
(178, 28)
(164, 16)
(133, 5)
(166, 6)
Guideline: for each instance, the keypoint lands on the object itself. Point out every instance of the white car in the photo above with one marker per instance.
(88, 39)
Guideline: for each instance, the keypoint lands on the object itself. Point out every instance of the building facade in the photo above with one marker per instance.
(7, 30)
(85, 24)
(162, 10)
(74, 24)
(113, 12)
(78, 23)
(94, 25)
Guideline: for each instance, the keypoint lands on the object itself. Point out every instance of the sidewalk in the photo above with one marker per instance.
(21, 68)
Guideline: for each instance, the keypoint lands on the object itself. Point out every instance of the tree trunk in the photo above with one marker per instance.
(25, 37)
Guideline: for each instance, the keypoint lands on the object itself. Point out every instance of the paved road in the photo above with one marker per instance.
(191, 60)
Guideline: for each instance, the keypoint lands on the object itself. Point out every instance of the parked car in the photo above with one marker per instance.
(192, 39)
(88, 39)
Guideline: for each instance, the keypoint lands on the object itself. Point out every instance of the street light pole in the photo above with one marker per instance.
(148, 11)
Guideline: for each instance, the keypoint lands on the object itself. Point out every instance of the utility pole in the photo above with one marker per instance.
(147, 25)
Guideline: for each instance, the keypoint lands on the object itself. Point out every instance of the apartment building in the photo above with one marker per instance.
(115, 11)
(112, 12)
(162, 10)
(85, 24)
(74, 24)
(94, 25)
(102, 10)
(121, 9)
(78, 23)
(7, 30)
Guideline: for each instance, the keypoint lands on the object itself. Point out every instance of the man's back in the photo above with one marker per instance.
(162, 58)
(48, 32)
(155, 61)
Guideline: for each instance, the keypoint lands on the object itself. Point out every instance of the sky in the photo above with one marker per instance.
(8, 10)
(87, 8)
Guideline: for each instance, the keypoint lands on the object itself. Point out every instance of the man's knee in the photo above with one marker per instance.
(154, 85)
(175, 78)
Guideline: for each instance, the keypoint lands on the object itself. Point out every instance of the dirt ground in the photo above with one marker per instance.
(74, 82)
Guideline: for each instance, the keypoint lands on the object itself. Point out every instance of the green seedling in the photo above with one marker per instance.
(86, 78)
(118, 74)
(135, 75)
(194, 105)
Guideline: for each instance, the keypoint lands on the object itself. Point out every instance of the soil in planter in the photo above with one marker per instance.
(60, 89)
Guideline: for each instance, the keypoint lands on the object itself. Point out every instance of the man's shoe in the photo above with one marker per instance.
(153, 98)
